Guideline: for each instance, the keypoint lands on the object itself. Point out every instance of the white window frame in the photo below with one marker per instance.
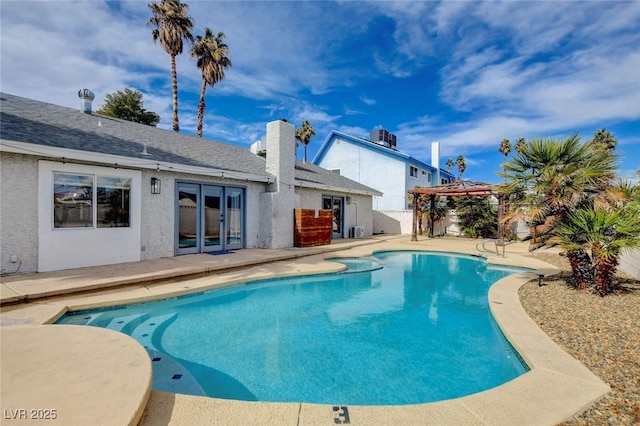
(94, 205)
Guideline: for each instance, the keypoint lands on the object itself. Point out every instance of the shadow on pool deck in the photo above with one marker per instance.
(556, 388)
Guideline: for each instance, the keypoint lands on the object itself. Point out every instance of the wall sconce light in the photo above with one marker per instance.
(155, 185)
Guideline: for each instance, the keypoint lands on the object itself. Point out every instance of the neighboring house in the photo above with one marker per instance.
(378, 163)
(80, 189)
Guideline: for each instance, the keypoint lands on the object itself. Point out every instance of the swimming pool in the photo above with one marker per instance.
(417, 330)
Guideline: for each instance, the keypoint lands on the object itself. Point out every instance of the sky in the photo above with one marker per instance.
(464, 73)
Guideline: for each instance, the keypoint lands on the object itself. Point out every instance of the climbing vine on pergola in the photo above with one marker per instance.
(454, 189)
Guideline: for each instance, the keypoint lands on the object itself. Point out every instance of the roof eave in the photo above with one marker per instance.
(123, 162)
(322, 186)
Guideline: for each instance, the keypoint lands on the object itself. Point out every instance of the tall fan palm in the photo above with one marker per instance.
(549, 179)
(462, 166)
(520, 145)
(450, 163)
(304, 134)
(212, 58)
(505, 149)
(171, 26)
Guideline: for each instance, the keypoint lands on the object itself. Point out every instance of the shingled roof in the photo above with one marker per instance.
(40, 123)
(28, 121)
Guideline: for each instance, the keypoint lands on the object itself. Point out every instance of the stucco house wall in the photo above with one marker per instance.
(159, 217)
(385, 169)
(18, 213)
(357, 208)
(365, 166)
(64, 248)
(76, 190)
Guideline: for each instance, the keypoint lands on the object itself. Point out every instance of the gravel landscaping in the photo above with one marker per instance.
(602, 332)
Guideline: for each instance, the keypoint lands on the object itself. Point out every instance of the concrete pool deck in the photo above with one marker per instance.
(556, 388)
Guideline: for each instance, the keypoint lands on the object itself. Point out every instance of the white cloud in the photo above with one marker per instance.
(506, 69)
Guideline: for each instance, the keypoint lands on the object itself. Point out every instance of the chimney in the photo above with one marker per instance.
(435, 162)
(281, 159)
(279, 201)
(86, 97)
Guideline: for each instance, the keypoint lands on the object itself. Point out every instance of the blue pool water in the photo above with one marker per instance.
(416, 330)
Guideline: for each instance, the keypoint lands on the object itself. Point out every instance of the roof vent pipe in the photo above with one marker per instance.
(86, 97)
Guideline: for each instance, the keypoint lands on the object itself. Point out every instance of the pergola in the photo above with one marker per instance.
(457, 188)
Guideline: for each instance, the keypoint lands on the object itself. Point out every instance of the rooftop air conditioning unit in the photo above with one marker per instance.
(357, 232)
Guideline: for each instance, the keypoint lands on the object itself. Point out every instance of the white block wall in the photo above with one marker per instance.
(630, 263)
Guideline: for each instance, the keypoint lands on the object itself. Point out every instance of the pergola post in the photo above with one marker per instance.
(414, 234)
(501, 212)
(432, 213)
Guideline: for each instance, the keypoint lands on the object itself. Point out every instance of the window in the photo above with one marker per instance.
(413, 171)
(113, 201)
(336, 171)
(72, 201)
(88, 201)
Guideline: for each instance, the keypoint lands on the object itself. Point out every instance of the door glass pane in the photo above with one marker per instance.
(187, 216)
(337, 216)
(212, 216)
(72, 201)
(234, 217)
(326, 204)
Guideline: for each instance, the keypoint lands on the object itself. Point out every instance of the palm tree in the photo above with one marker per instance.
(505, 149)
(605, 140)
(450, 163)
(304, 134)
(520, 145)
(606, 232)
(551, 178)
(212, 58)
(171, 25)
(462, 166)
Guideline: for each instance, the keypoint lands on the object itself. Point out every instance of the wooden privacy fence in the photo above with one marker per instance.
(312, 227)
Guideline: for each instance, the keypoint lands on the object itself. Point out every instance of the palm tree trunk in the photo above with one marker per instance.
(201, 106)
(605, 268)
(305, 152)
(581, 267)
(174, 87)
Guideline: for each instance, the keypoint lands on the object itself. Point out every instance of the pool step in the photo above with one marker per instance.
(169, 375)
(152, 325)
(127, 323)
